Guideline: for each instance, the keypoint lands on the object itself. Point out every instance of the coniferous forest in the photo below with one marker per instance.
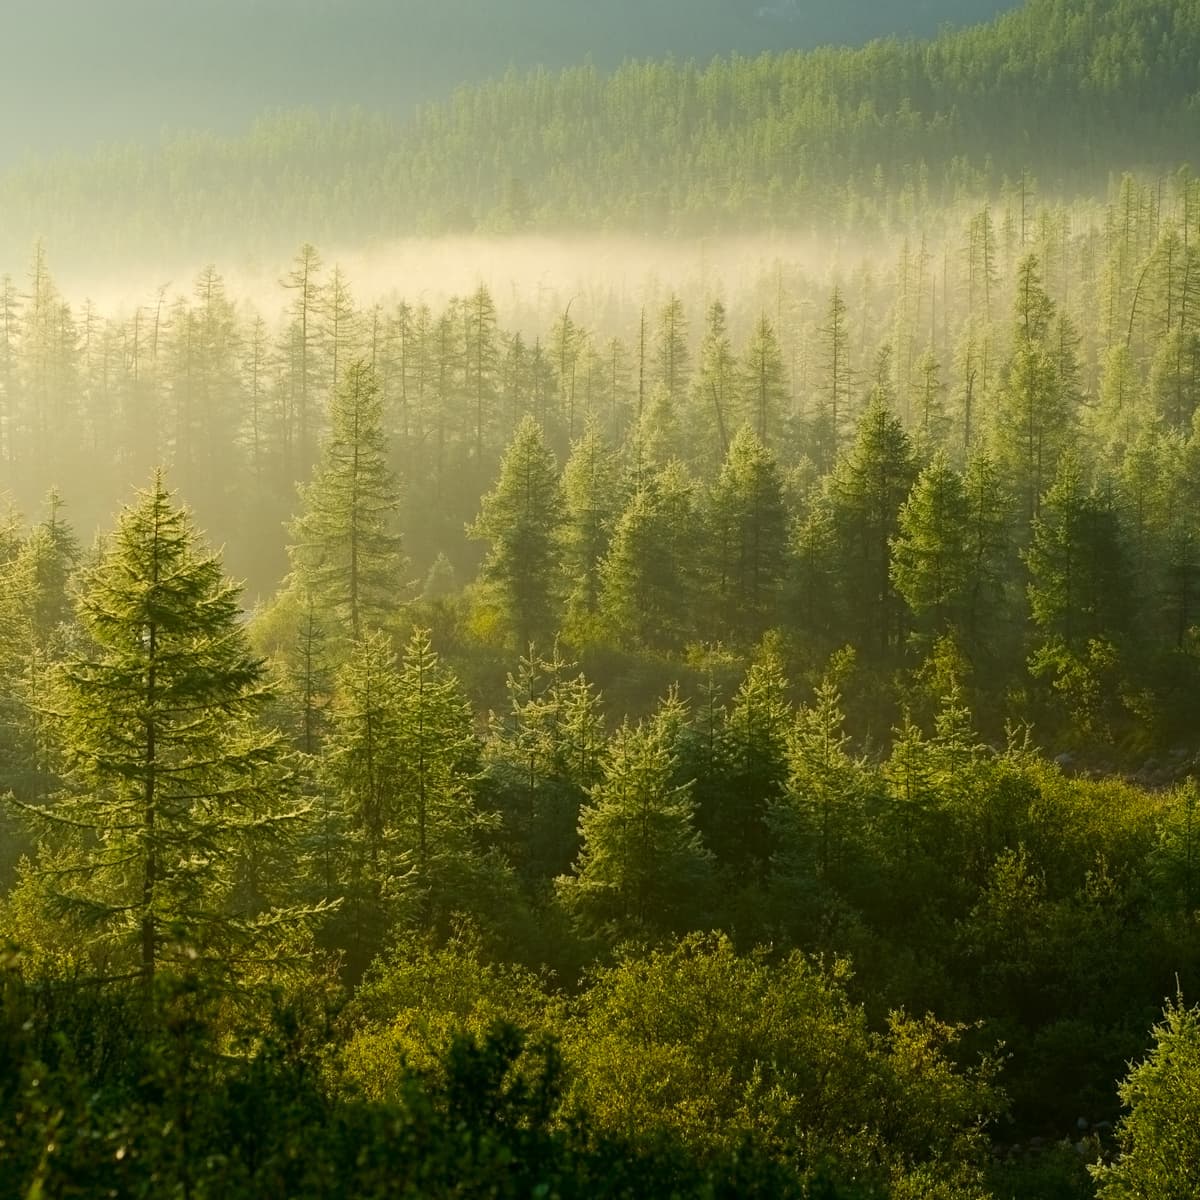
(709, 709)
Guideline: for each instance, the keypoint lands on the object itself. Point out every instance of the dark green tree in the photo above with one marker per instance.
(746, 545)
(521, 518)
(642, 862)
(175, 804)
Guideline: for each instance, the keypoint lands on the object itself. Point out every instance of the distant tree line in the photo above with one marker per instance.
(861, 139)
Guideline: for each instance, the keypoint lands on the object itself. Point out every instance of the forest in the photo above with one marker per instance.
(697, 730)
(881, 136)
(384, 55)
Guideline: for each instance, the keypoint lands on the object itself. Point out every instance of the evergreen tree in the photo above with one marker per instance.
(344, 551)
(814, 821)
(764, 384)
(642, 862)
(648, 574)
(832, 409)
(175, 796)
(521, 518)
(1034, 418)
(1077, 567)
(745, 520)
(713, 417)
(592, 501)
(672, 366)
(754, 752)
(931, 558)
(480, 356)
(871, 483)
(542, 756)
(304, 280)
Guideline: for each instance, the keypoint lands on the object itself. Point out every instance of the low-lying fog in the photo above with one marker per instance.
(532, 278)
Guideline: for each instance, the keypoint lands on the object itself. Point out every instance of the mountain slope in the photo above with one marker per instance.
(1072, 90)
(127, 68)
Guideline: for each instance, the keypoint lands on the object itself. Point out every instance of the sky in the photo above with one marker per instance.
(77, 72)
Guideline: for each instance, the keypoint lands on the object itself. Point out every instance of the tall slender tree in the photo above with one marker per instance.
(158, 844)
(344, 549)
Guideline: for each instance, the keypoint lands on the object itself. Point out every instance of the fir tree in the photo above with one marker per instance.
(931, 563)
(521, 518)
(592, 505)
(649, 572)
(175, 795)
(344, 550)
(870, 485)
(745, 520)
(642, 861)
(764, 384)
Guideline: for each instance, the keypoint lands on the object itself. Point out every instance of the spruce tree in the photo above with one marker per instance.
(713, 417)
(745, 520)
(870, 484)
(521, 518)
(754, 750)
(931, 563)
(344, 549)
(176, 799)
(649, 572)
(1034, 418)
(764, 384)
(592, 499)
(642, 862)
(1078, 585)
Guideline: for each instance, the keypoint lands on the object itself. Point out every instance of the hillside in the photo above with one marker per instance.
(127, 68)
(1072, 90)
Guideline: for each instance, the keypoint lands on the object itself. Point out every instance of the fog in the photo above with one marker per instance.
(532, 278)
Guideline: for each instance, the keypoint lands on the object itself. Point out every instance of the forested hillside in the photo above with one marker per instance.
(130, 68)
(701, 717)
(849, 616)
(1072, 90)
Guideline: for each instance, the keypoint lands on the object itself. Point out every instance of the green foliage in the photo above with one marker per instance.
(1160, 1134)
(729, 1050)
(642, 868)
(743, 142)
(520, 519)
(163, 847)
(648, 573)
(745, 520)
(344, 551)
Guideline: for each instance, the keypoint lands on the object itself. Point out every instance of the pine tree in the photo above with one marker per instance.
(672, 366)
(542, 756)
(931, 560)
(832, 410)
(304, 280)
(648, 574)
(175, 795)
(521, 518)
(401, 764)
(754, 751)
(872, 481)
(481, 356)
(990, 546)
(714, 392)
(642, 862)
(745, 519)
(592, 504)
(1033, 420)
(815, 820)
(344, 551)
(1078, 580)
(764, 384)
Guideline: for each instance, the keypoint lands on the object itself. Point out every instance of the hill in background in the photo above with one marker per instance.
(1074, 92)
(128, 68)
